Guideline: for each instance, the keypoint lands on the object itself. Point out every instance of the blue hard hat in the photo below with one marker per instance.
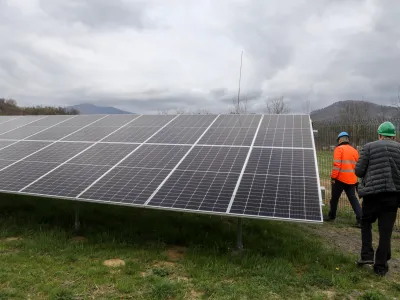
(342, 134)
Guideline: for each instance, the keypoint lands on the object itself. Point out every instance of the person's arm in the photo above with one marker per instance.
(363, 161)
(337, 163)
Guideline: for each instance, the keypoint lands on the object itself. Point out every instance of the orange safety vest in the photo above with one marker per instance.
(345, 158)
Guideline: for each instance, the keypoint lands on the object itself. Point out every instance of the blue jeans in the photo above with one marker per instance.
(350, 189)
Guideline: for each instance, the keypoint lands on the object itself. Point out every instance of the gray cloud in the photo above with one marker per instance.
(99, 14)
(69, 52)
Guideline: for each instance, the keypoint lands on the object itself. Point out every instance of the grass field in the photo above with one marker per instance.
(169, 255)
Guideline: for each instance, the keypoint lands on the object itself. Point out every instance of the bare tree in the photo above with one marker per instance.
(354, 112)
(277, 106)
(396, 102)
(352, 115)
(240, 107)
(181, 111)
(162, 111)
(202, 111)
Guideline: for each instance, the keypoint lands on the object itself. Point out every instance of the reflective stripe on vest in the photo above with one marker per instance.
(352, 162)
(343, 171)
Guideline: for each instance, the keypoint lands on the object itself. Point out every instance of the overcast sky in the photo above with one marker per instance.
(145, 56)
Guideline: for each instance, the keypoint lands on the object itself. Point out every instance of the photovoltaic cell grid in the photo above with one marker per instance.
(246, 165)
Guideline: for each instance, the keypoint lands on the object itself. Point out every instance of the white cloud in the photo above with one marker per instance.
(149, 55)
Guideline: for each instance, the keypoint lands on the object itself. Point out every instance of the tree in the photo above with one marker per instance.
(353, 116)
(239, 108)
(162, 111)
(277, 106)
(181, 111)
(10, 107)
(354, 112)
(396, 102)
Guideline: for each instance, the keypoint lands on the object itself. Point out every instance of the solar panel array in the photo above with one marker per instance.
(260, 166)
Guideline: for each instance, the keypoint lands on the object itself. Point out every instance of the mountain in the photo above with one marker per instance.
(354, 111)
(91, 109)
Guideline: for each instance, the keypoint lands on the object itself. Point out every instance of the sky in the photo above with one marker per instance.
(168, 55)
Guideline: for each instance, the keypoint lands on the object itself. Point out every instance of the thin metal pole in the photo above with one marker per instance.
(240, 79)
(77, 224)
(239, 242)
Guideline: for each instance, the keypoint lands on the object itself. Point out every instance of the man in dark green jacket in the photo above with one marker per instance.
(379, 169)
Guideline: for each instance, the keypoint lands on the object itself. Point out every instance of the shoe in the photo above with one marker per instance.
(380, 273)
(362, 262)
(329, 219)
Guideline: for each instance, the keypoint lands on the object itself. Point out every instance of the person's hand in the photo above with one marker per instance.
(333, 181)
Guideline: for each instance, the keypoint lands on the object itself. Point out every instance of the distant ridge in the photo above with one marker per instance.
(91, 109)
(362, 110)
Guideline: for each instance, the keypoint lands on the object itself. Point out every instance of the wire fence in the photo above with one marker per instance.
(325, 143)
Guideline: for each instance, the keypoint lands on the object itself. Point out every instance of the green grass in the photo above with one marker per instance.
(281, 260)
(325, 160)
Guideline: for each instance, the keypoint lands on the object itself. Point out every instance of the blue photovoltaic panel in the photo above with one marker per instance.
(17, 123)
(261, 166)
(91, 134)
(20, 174)
(67, 181)
(104, 154)
(235, 130)
(132, 134)
(284, 131)
(58, 152)
(198, 191)
(5, 144)
(126, 185)
(21, 149)
(205, 180)
(274, 185)
(54, 133)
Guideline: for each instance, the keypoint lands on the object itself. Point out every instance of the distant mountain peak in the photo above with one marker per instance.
(91, 109)
(353, 109)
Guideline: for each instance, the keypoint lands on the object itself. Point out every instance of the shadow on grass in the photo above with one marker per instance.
(280, 257)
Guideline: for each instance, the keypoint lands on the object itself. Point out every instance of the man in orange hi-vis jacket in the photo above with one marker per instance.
(343, 177)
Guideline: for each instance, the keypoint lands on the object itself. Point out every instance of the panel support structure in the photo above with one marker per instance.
(239, 240)
(77, 223)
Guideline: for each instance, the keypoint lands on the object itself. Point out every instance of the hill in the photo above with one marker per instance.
(10, 107)
(90, 109)
(353, 110)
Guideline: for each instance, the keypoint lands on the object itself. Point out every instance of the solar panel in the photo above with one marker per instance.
(18, 175)
(20, 150)
(54, 133)
(104, 154)
(5, 144)
(17, 123)
(132, 134)
(257, 166)
(232, 130)
(68, 180)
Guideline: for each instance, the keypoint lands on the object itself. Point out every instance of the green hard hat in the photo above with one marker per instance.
(387, 129)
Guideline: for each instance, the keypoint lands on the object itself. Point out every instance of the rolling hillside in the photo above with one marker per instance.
(90, 109)
(353, 109)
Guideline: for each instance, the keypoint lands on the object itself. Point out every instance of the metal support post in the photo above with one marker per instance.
(77, 224)
(239, 242)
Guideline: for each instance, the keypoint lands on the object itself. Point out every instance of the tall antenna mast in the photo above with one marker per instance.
(240, 78)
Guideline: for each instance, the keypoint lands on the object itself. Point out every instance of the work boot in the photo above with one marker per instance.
(329, 219)
(362, 262)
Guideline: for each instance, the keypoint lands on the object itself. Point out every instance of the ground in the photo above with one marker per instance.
(126, 253)
(346, 239)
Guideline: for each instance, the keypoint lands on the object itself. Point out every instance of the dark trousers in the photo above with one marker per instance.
(384, 208)
(350, 189)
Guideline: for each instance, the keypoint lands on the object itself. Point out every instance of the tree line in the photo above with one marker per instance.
(10, 107)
